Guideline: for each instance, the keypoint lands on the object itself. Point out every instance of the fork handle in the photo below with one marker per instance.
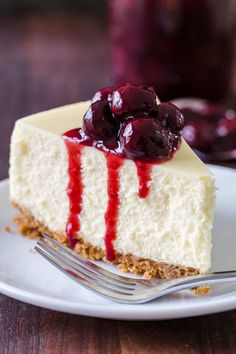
(201, 279)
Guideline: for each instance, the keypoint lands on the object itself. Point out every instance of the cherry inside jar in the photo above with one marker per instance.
(184, 48)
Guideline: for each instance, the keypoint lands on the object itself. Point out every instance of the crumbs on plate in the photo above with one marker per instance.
(202, 290)
(8, 229)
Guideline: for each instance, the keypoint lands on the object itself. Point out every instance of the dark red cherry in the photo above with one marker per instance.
(128, 99)
(145, 139)
(227, 126)
(98, 121)
(226, 130)
(104, 93)
(170, 116)
(199, 135)
(208, 126)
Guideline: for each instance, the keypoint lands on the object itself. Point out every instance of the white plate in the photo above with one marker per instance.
(25, 276)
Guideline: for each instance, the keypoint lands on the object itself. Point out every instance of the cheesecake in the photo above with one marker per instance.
(113, 179)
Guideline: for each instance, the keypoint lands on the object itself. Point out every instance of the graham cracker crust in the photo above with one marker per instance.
(30, 227)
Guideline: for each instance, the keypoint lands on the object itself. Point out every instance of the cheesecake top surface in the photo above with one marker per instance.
(59, 120)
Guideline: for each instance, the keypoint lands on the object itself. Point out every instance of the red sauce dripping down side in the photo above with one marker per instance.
(144, 176)
(74, 190)
(114, 164)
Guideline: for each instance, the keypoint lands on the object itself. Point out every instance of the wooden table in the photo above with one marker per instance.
(45, 62)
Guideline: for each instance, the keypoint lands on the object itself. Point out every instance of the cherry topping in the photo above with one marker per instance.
(126, 121)
(145, 139)
(99, 122)
(170, 116)
(128, 99)
(104, 93)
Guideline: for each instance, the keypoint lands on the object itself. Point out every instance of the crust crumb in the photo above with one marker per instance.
(202, 290)
(8, 229)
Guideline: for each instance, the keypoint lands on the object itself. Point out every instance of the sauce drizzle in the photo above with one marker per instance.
(74, 190)
(114, 164)
(144, 176)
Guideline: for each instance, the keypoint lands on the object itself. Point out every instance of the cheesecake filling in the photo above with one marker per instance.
(171, 225)
(75, 193)
(124, 123)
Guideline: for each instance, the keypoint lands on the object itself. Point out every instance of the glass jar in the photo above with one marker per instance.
(181, 47)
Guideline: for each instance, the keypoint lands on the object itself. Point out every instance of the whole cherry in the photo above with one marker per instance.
(199, 135)
(129, 99)
(169, 116)
(145, 139)
(104, 93)
(98, 122)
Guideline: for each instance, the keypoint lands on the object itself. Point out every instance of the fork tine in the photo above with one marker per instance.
(89, 264)
(82, 279)
(77, 266)
(139, 294)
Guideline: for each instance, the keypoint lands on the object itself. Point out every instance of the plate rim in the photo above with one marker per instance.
(122, 311)
(117, 311)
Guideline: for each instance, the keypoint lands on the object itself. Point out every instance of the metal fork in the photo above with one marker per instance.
(115, 287)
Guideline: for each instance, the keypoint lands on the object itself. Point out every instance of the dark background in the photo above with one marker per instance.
(22, 6)
(54, 53)
(49, 56)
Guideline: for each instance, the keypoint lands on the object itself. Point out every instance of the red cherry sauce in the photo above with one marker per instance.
(74, 190)
(144, 176)
(114, 164)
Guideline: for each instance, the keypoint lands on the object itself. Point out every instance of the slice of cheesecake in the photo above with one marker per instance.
(149, 218)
